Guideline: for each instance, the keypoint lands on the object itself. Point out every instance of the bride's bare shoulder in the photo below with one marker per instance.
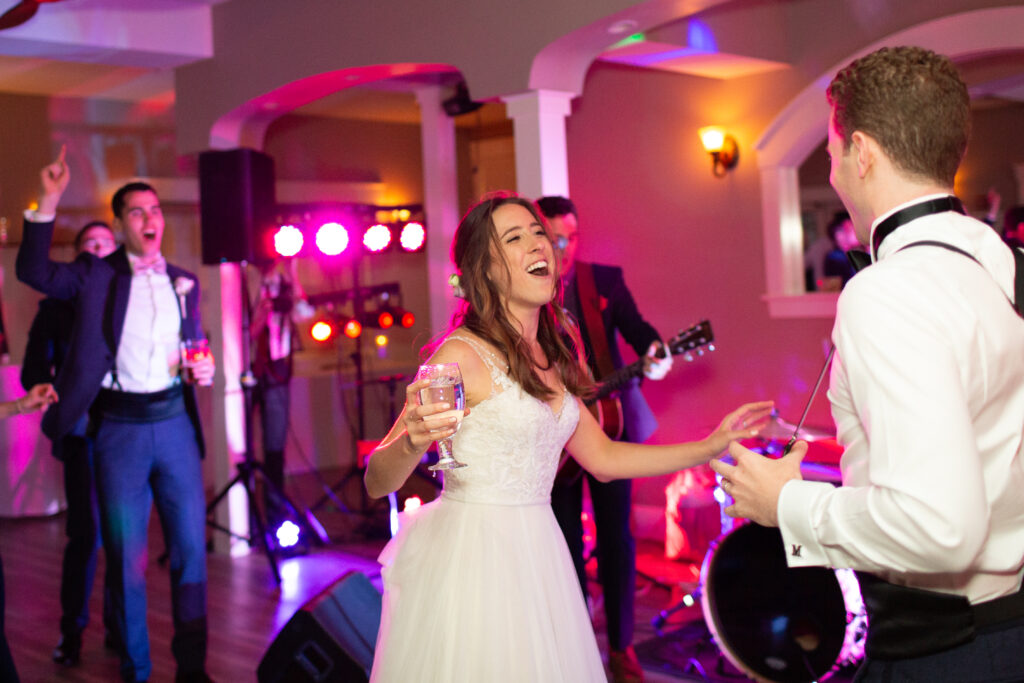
(465, 348)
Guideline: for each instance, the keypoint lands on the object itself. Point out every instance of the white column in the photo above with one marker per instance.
(783, 233)
(441, 200)
(225, 438)
(542, 165)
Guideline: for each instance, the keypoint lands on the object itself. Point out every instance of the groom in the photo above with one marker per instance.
(123, 369)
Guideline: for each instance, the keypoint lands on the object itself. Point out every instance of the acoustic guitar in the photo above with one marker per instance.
(606, 406)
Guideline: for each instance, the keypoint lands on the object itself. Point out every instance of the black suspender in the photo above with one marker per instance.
(1018, 258)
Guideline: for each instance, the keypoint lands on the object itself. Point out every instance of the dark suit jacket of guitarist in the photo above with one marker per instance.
(619, 313)
(99, 289)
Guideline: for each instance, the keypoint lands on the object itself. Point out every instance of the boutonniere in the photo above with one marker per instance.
(182, 286)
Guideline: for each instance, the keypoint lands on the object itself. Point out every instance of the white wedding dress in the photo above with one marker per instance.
(479, 585)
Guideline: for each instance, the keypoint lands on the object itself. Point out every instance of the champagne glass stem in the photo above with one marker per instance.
(445, 446)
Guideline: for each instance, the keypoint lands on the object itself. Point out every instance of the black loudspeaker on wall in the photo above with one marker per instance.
(330, 639)
(236, 204)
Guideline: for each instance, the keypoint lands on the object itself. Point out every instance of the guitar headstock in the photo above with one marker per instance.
(697, 338)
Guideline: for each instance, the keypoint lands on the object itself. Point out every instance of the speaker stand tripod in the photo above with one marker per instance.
(249, 469)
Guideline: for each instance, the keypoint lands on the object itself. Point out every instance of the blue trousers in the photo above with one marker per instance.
(83, 533)
(996, 655)
(616, 548)
(138, 464)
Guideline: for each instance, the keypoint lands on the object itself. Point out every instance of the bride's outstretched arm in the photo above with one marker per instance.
(397, 455)
(608, 460)
(415, 429)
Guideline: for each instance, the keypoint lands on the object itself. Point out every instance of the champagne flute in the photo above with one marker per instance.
(445, 387)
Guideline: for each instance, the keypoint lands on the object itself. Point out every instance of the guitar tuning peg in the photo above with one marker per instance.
(711, 347)
(688, 357)
(700, 352)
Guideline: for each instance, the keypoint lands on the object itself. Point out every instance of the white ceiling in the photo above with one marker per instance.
(127, 49)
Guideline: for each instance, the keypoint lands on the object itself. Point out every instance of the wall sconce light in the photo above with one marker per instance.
(722, 148)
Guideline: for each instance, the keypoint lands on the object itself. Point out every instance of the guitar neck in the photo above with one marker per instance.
(695, 338)
(615, 381)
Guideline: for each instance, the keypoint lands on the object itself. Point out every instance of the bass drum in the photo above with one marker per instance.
(775, 623)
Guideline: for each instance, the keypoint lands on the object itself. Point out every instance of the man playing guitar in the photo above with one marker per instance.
(597, 297)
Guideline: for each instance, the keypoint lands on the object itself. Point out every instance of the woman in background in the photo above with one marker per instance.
(38, 397)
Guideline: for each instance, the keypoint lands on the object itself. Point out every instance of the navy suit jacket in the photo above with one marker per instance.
(618, 313)
(99, 289)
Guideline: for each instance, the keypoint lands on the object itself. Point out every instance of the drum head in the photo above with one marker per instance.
(774, 623)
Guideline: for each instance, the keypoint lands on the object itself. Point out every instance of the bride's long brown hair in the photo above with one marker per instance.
(475, 249)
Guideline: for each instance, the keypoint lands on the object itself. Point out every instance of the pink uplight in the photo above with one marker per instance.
(332, 238)
(288, 240)
(377, 237)
(413, 236)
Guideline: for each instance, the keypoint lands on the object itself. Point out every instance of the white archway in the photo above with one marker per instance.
(801, 126)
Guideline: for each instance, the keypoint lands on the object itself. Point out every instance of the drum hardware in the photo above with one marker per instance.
(700, 644)
(810, 400)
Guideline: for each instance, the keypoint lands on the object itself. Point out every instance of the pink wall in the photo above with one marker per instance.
(690, 243)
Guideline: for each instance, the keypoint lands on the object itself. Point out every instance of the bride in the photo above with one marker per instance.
(479, 585)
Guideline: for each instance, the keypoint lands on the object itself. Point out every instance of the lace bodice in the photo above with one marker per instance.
(511, 442)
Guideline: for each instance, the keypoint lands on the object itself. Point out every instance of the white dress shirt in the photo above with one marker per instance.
(927, 392)
(149, 355)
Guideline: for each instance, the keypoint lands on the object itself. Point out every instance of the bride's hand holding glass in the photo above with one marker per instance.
(422, 424)
(426, 423)
(445, 387)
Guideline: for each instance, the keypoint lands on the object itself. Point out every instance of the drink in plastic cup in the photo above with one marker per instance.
(194, 351)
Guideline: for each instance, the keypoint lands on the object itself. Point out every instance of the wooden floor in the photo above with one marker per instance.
(246, 607)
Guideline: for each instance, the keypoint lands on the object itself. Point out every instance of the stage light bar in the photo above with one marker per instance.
(408, 319)
(412, 237)
(377, 238)
(385, 319)
(332, 239)
(288, 240)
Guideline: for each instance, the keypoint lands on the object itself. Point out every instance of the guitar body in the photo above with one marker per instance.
(608, 413)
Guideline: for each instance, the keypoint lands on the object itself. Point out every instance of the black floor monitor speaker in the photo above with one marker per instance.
(330, 639)
(236, 204)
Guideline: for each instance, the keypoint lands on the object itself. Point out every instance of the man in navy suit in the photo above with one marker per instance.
(47, 346)
(123, 370)
(616, 548)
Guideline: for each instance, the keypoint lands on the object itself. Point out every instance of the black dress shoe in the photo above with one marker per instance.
(69, 650)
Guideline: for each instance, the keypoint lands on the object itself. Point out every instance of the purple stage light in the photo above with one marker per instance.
(287, 534)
